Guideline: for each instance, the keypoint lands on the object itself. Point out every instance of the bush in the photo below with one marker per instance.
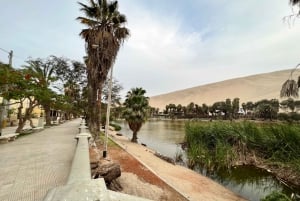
(116, 126)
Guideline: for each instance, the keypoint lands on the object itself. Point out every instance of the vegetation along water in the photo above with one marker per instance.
(249, 181)
(220, 145)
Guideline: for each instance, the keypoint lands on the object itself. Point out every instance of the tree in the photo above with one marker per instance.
(22, 89)
(228, 108)
(235, 106)
(103, 36)
(4, 69)
(75, 83)
(205, 109)
(115, 92)
(44, 73)
(136, 106)
(267, 109)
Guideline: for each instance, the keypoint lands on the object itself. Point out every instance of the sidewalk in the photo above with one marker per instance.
(35, 163)
(192, 185)
(12, 129)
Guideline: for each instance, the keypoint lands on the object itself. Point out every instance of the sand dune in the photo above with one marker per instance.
(250, 88)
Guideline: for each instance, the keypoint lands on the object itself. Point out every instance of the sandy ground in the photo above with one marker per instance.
(250, 88)
(137, 180)
(188, 183)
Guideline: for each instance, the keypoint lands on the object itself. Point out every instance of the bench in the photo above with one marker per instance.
(8, 137)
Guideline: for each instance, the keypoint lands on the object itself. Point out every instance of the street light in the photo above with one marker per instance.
(108, 106)
(108, 113)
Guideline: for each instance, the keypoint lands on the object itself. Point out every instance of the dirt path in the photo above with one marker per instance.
(192, 185)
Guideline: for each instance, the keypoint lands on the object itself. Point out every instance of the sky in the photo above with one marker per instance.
(173, 44)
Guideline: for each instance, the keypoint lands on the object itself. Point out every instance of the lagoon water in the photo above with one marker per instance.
(164, 137)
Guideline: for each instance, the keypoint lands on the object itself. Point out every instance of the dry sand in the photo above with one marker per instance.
(250, 88)
(190, 184)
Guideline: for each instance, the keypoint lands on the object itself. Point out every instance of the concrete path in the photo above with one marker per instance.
(35, 163)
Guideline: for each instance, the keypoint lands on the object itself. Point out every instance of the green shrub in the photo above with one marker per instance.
(116, 126)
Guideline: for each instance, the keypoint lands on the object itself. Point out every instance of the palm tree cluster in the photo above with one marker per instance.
(263, 109)
(103, 36)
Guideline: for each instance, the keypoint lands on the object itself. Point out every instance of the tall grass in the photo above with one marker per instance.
(216, 145)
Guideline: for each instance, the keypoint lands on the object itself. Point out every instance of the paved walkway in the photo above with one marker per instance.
(35, 163)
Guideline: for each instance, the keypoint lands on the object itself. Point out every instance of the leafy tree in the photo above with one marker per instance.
(291, 104)
(44, 73)
(103, 36)
(136, 106)
(115, 92)
(267, 109)
(22, 89)
(4, 70)
(74, 85)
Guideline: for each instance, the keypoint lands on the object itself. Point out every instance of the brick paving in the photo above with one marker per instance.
(35, 163)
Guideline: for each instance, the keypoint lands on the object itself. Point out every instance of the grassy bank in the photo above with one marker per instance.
(214, 145)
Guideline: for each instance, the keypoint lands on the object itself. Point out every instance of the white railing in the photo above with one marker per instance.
(80, 186)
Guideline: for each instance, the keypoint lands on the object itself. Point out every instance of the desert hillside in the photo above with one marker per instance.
(250, 88)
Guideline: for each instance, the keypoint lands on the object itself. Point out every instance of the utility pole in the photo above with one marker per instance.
(5, 103)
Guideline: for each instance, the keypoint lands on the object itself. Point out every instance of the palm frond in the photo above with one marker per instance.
(122, 19)
(113, 6)
(88, 21)
(289, 88)
(295, 2)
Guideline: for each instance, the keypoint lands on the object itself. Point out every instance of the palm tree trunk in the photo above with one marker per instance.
(94, 104)
(134, 137)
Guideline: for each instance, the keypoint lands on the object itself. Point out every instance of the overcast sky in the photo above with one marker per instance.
(173, 45)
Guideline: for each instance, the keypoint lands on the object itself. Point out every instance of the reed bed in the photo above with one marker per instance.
(220, 144)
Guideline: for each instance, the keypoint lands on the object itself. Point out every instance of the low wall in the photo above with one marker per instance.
(80, 186)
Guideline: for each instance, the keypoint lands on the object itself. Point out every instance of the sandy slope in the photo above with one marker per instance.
(250, 88)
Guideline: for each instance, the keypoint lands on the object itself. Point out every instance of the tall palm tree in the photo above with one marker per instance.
(136, 106)
(103, 36)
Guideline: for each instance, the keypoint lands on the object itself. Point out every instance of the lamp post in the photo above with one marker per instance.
(108, 107)
(108, 113)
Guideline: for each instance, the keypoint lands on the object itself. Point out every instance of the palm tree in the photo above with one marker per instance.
(136, 106)
(103, 36)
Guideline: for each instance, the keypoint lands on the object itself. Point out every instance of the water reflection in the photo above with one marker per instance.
(249, 182)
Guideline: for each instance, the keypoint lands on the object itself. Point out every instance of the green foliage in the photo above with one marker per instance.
(289, 117)
(221, 144)
(276, 196)
(116, 126)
